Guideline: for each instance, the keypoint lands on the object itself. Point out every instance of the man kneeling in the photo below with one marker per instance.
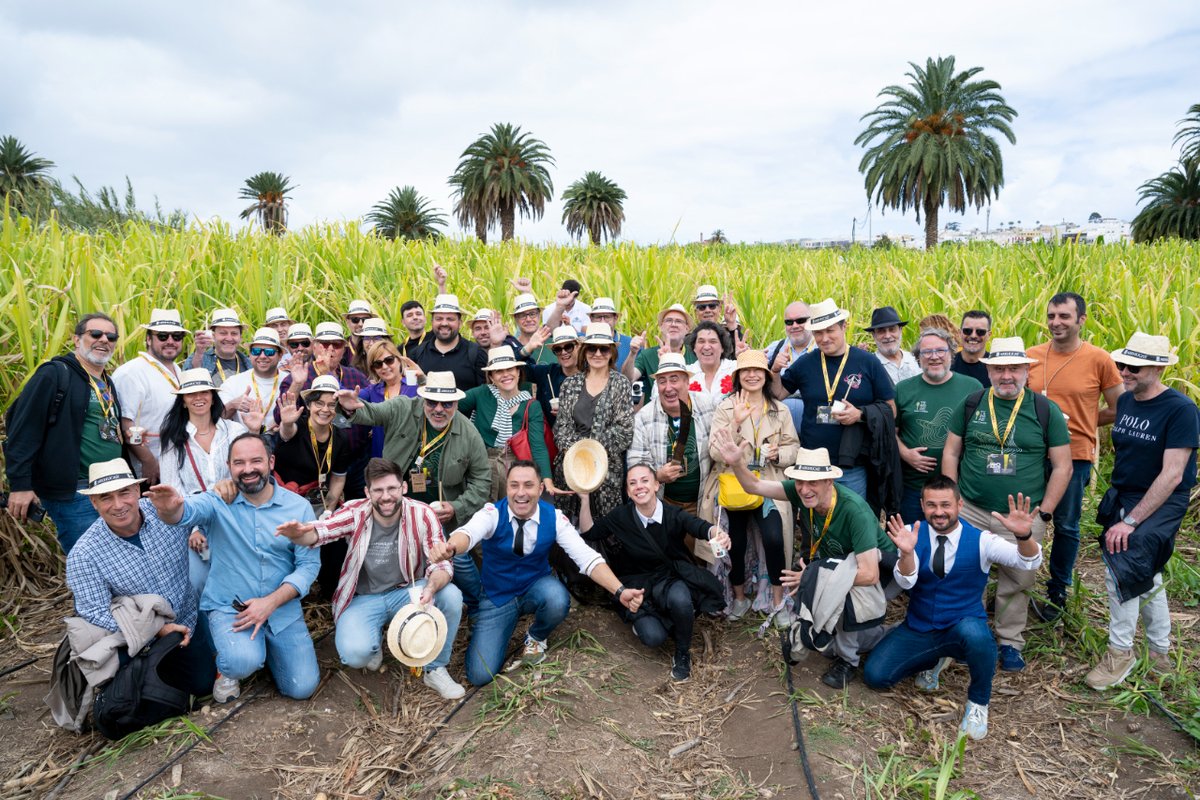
(390, 542)
(945, 582)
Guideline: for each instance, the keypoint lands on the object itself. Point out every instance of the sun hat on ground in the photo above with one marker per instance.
(300, 330)
(1145, 350)
(446, 304)
(812, 465)
(374, 327)
(194, 380)
(585, 465)
(417, 634)
(502, 358)
(322, 384)
(225, 318)
(825, 314)
(603, 305)
(1008, 351)
(277, 314)
(670, 362)
(109, 476)
(165, 320)
(441, 386)
(525, 302)
(359, 308)
(675, 308)
(598, 334)
(267, 336)
(330, 332)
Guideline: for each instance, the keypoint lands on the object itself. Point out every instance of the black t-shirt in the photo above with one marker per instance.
(294, 459)
(978, 370)
(1143, 430)
(466, 360)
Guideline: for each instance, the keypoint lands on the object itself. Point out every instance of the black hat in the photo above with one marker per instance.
(885, 317)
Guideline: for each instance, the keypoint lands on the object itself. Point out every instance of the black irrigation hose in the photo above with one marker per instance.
(808, 774)
(15, 667)
(1174, 719)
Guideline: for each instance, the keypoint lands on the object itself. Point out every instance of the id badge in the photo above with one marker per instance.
(825, 415)
(417, 482)
(1002, 464)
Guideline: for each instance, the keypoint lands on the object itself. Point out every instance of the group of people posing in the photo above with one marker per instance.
(426, 469)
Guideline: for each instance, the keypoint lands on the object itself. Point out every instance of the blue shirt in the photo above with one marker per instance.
(1143, 430)
(248, 559)
(103, 566)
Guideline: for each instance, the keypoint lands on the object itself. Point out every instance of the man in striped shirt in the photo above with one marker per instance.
(390, 538)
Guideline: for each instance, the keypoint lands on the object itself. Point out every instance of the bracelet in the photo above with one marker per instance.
(1024, 538)
(620, 591)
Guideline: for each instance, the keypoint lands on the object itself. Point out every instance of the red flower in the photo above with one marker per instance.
(727, 384)
(694, 386)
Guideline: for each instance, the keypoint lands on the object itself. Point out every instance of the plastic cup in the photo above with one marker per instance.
(135, 434)
(838, 407)
(410, 377)
(554, 405)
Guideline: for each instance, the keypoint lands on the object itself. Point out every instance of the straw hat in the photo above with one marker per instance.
(374, 327)
(329, 332)
(525, 302)
(440, 386)
(670, 362)
(277, 314)
(267, 336)
(812, 465)
(1007, 351)
(322, 384)
(707, 294)
(446, 304)
(482, 315)
(165, 320)
(677, 308)
(416, 635)
(563, 334)
(195, 380)
(585, 465)
(825, 314)
(502, 358)
(1145, 350)
(225, 318)
(598, 334)
(752, 359)
(299, 331)
(109, 476)
(359, 308)
(603, 305)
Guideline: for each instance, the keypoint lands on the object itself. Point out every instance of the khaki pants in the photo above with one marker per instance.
(1012, 585)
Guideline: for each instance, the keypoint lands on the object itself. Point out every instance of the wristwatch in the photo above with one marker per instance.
(1129, 520)
(1046, 515)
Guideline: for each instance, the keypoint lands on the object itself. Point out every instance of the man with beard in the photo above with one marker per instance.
(673, 326)
(217, 348)
(67, 418)
(412, 316)
(1000, 448)
(447, 351)
(976, 330)
(391, 538)
(887, 329)
(146, 385)
(252, 597)
(797, 340)
(256, 389)
(944, 564)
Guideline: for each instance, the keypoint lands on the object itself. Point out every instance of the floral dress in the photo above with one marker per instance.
(611, 425)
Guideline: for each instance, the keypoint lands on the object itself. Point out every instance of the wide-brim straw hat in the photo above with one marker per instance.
(225, 318)
(267, 336)
(525, 302)
(441, 386)
(585, 466)
(300, 330)
(417, 634)
(598, 334)
(359, 308)
(563, 334)
(195, 380)
(812, 465)
(826, 313)
(677, 308)
(482, 315)
(1145, 350)
(502, 357)
(277, 314)
(109, 476)
(603, 305)
(446, 304)
(670, 362)
(330, 332)
(1003, 352)
(707, 293)
(320, 385)
(374, 327)
(165, 320)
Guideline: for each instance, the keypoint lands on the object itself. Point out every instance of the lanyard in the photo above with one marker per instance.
(168, 377)
(258, 396)
(106, 408)
(754, 429)
(426, 449)
(812, 550)
(221, 369)
(321, 473)
(830, 388)
(1012, 417)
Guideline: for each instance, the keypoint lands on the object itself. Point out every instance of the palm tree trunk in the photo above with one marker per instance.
(594, 234)
(481, 228)
(508, 221)
(931, 224)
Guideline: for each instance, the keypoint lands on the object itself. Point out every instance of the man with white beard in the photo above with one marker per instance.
(887, 329)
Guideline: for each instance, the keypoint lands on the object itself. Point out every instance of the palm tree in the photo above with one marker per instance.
(718, 237)
(500, 173)
(1189, 135)
(596, 205)
(269, 192)
(933, 145)
(22, 174)
(406, 215)
(1174, 208)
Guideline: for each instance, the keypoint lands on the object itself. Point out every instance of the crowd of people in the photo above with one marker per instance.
(414, 476)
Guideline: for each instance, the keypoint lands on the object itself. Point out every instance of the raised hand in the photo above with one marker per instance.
(741, 408)
(299, 372)
(741, 343)
(538, 338)
(168, 502)
(496, 329)
(522, 285)
(731, 451)
(349, 400)
(1019, 519)
(245, 402)
(782, 359)
(226, 490)
(253, 418)
(904, 537)
(290, 410)
(564, 298)
(303, 533)
(439, 277)
(731, 311)
(637, 343)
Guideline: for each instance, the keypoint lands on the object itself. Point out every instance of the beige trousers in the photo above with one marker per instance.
(1012, 585)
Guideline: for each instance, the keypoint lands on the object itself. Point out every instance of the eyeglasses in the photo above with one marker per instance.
(356, 320)
(706, 306)
(322, 405)
(386, 361)
(175, 337)
(263, 351)
(980, 332)
(929, 352)
(566, 348)
(338, 345)
(446, 404)
(1132, 369)
(796, 321)
(112, 337)
(294, 343)
(530, 314)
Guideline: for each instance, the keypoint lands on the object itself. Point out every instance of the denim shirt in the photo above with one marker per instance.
(248, 559)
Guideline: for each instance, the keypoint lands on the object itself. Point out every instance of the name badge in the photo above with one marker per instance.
(1002, 464)
(825, 415)
(417, 482)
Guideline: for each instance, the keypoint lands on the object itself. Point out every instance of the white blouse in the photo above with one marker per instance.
(211, 466)
(712, 393)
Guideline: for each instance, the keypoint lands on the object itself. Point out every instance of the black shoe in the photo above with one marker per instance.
(681, 667)
(840, 674)
(1049, 610)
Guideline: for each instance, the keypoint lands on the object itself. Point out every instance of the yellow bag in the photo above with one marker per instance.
(733, 497)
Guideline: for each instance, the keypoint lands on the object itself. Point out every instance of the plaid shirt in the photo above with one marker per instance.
(419, 529)
(103, 566)
(650, 440)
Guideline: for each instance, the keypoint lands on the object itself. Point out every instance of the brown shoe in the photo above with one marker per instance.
(1161, 662)
(1113, 668)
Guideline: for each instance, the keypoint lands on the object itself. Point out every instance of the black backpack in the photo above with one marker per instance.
(61, 382)
(144, 692)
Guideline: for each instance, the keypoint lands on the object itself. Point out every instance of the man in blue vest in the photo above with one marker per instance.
(944, 564)
(515, 536)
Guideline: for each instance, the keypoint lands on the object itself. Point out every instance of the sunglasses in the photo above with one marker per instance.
(112, 337)
(386, 361)
(446, 404)
(294, 343)
(263, 351)
(338, 345)
(1132, 369)
(706, 306)
(566, 348)
(175, 337)
(796, 321)
(596, 348)
(356, 320)
(980, 332)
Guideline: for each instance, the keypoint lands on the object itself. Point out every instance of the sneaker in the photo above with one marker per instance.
(927, 680)
(974, 721)
(226, 689)
(534, 652)
(1160, 662)
(840, 674)
(440, 681)
(739, 608)
(1048, 610)
(376, 661)
(784, 619)
(1011, 659)
(681, 667)
(1112, 669)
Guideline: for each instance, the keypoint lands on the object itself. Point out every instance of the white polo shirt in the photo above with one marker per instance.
(264, 390)
(145, 386)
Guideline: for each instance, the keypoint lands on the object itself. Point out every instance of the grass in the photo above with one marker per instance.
(902, 777)
(177, 732)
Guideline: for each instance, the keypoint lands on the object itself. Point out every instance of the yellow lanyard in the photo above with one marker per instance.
(168, 377)
(221, 369)
(754, 430)
(831, 388)
(426, 449)
(270, 398)
(321, 473)
(106, 409)
(812, 550)
(1012, 417)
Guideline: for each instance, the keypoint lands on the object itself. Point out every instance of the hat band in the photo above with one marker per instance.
(1146, 356)
(824, 469)
(122, 476)
(602, 310)
(440, 389)
(233, 321)
(164, 323)
(270, 342)
(191, 384)
(502, 360)
(707, 298)
(444, 308)
(521, 309)
(404, 624)
(1008, 354)
(271, 320)
(824, 317)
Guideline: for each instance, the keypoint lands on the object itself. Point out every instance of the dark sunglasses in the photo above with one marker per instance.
(335, 345)
(596, 348)
(263, 351)
(980, 332)
(447, 404)
(175, 337)
(796, 321)
(294, 343)
(385, 361)
(566, 348)
(112, 337)
(706, 306)
(1132, 369)
(357, 320)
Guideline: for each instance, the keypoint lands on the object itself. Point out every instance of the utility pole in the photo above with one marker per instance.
(853, 225)
(989, 221)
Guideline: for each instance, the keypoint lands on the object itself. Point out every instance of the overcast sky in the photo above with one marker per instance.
(739, 116)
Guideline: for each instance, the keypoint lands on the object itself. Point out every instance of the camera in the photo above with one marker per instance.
(35, 513)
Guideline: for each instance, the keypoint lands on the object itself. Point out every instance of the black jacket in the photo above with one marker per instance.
(1150, 546)
(41, 458)
(871, 442)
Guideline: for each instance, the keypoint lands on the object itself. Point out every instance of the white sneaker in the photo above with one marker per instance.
(226, 689)
(974, 721)
(927, 680)
(376, 661)
(784, 619)
(440, 681)
(739, 607)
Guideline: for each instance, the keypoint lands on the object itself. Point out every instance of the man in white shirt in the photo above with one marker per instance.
(944, 564)
(515, 535)
(574, 313)
(258, 388)
(887, 329)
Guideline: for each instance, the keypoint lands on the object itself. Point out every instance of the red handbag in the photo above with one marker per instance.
(519, 441)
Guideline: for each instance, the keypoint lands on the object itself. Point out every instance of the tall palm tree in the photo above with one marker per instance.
(929, 143)
(718, 237)
(596, 205)
(406, 215)
(1174, 208)
(22, 174)
(1189, 135)
(502, 172)
(269, 191)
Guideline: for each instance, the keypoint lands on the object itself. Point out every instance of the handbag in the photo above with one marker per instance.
(731, 495)
(519, 441)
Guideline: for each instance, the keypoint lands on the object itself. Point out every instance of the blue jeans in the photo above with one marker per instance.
(853, 478)
(71, 518)
(466, 578)
(289, 654)
(905, 652)
(910, 506)
(796, 406)
(359, 632)
(492, 627)
(1065, 546)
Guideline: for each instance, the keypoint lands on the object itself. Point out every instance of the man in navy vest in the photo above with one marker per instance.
(944, 564)
(515, 535)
